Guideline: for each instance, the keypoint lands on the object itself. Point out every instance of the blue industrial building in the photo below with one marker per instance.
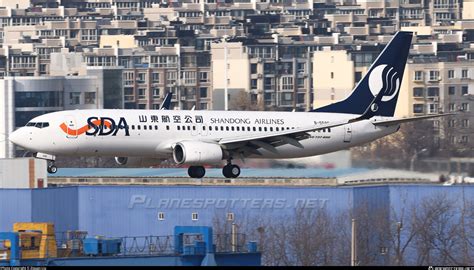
(118, 211)
(134, 210)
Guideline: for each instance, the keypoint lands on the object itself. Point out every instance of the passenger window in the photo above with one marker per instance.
(222, 128)
(133, 127)
(265, 128)
(227, 128)
(194, 127)
(271, 128)
(167, 127)
(232, 128)
(189, 127)
(144, 127)
(254, 129)
(179, 127)
(248, 128)
(139, 127)
(184, 127)
(277, 129)
(150, 127)
(156, 127)
(259, 128)
(204, 127)
(238, 128)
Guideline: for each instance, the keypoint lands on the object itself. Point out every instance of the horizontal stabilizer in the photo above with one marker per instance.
(408, 119)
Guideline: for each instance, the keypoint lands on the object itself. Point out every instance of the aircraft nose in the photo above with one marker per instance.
(17, 137)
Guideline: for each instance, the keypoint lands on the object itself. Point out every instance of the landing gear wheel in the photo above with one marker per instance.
(52, 169)
(196, 171)
(231, 171)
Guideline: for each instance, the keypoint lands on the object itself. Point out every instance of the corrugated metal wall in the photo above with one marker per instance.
(15, 206)
(56, 205)
(133, 210)
(119, 211)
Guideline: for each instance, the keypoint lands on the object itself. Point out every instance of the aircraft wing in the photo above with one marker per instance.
(247, 145)
(392, 122)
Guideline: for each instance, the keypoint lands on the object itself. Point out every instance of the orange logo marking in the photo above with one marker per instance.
(84, 129)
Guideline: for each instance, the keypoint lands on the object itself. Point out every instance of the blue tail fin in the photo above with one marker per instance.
(385, 74)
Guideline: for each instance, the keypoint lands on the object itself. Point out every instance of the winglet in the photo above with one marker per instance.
(165, 105)
(371, 110)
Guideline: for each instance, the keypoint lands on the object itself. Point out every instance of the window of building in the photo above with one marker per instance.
(464, 73)
(464, 90)
(141, 92)
(141, 77)
(451, 123)
(418, 108)
(434, 75)
(432, 108)
(465, 123)
(465, 107)
(194, 216)
(253, 83)
(450, 74)
(418, 92)
(75, 98)
(156, 92)
(161, 216)
(464, 139)
(433, 91)
(203, 77)
(230, 216)
(418, 75)
(253, 68)
(452, 90)
(155, 77)
(89, 97)
(451, 107)
(203, 92)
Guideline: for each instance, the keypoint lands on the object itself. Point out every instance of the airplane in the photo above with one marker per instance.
(196, 138)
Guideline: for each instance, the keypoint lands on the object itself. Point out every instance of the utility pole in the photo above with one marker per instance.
(354, 244)
(226, 90)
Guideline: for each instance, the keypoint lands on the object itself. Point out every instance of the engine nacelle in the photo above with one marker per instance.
(121, 160)
(197, 153)
(132, 162)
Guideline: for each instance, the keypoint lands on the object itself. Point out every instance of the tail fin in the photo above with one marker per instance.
(385, 74)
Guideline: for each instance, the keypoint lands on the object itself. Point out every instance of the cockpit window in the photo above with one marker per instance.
(38, 124)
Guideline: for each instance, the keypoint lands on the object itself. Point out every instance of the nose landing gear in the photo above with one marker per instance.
(51, 167)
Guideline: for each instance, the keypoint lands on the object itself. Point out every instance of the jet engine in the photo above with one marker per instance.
(197, 153)
(131, 162)
(121, 160)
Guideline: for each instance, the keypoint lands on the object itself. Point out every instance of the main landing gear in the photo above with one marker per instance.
(196, 171)
(229, 171)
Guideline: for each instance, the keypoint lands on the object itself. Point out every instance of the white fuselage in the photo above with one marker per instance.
(153, 133)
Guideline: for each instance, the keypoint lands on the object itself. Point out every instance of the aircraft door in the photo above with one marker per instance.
(71, 128)
(347, 133)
